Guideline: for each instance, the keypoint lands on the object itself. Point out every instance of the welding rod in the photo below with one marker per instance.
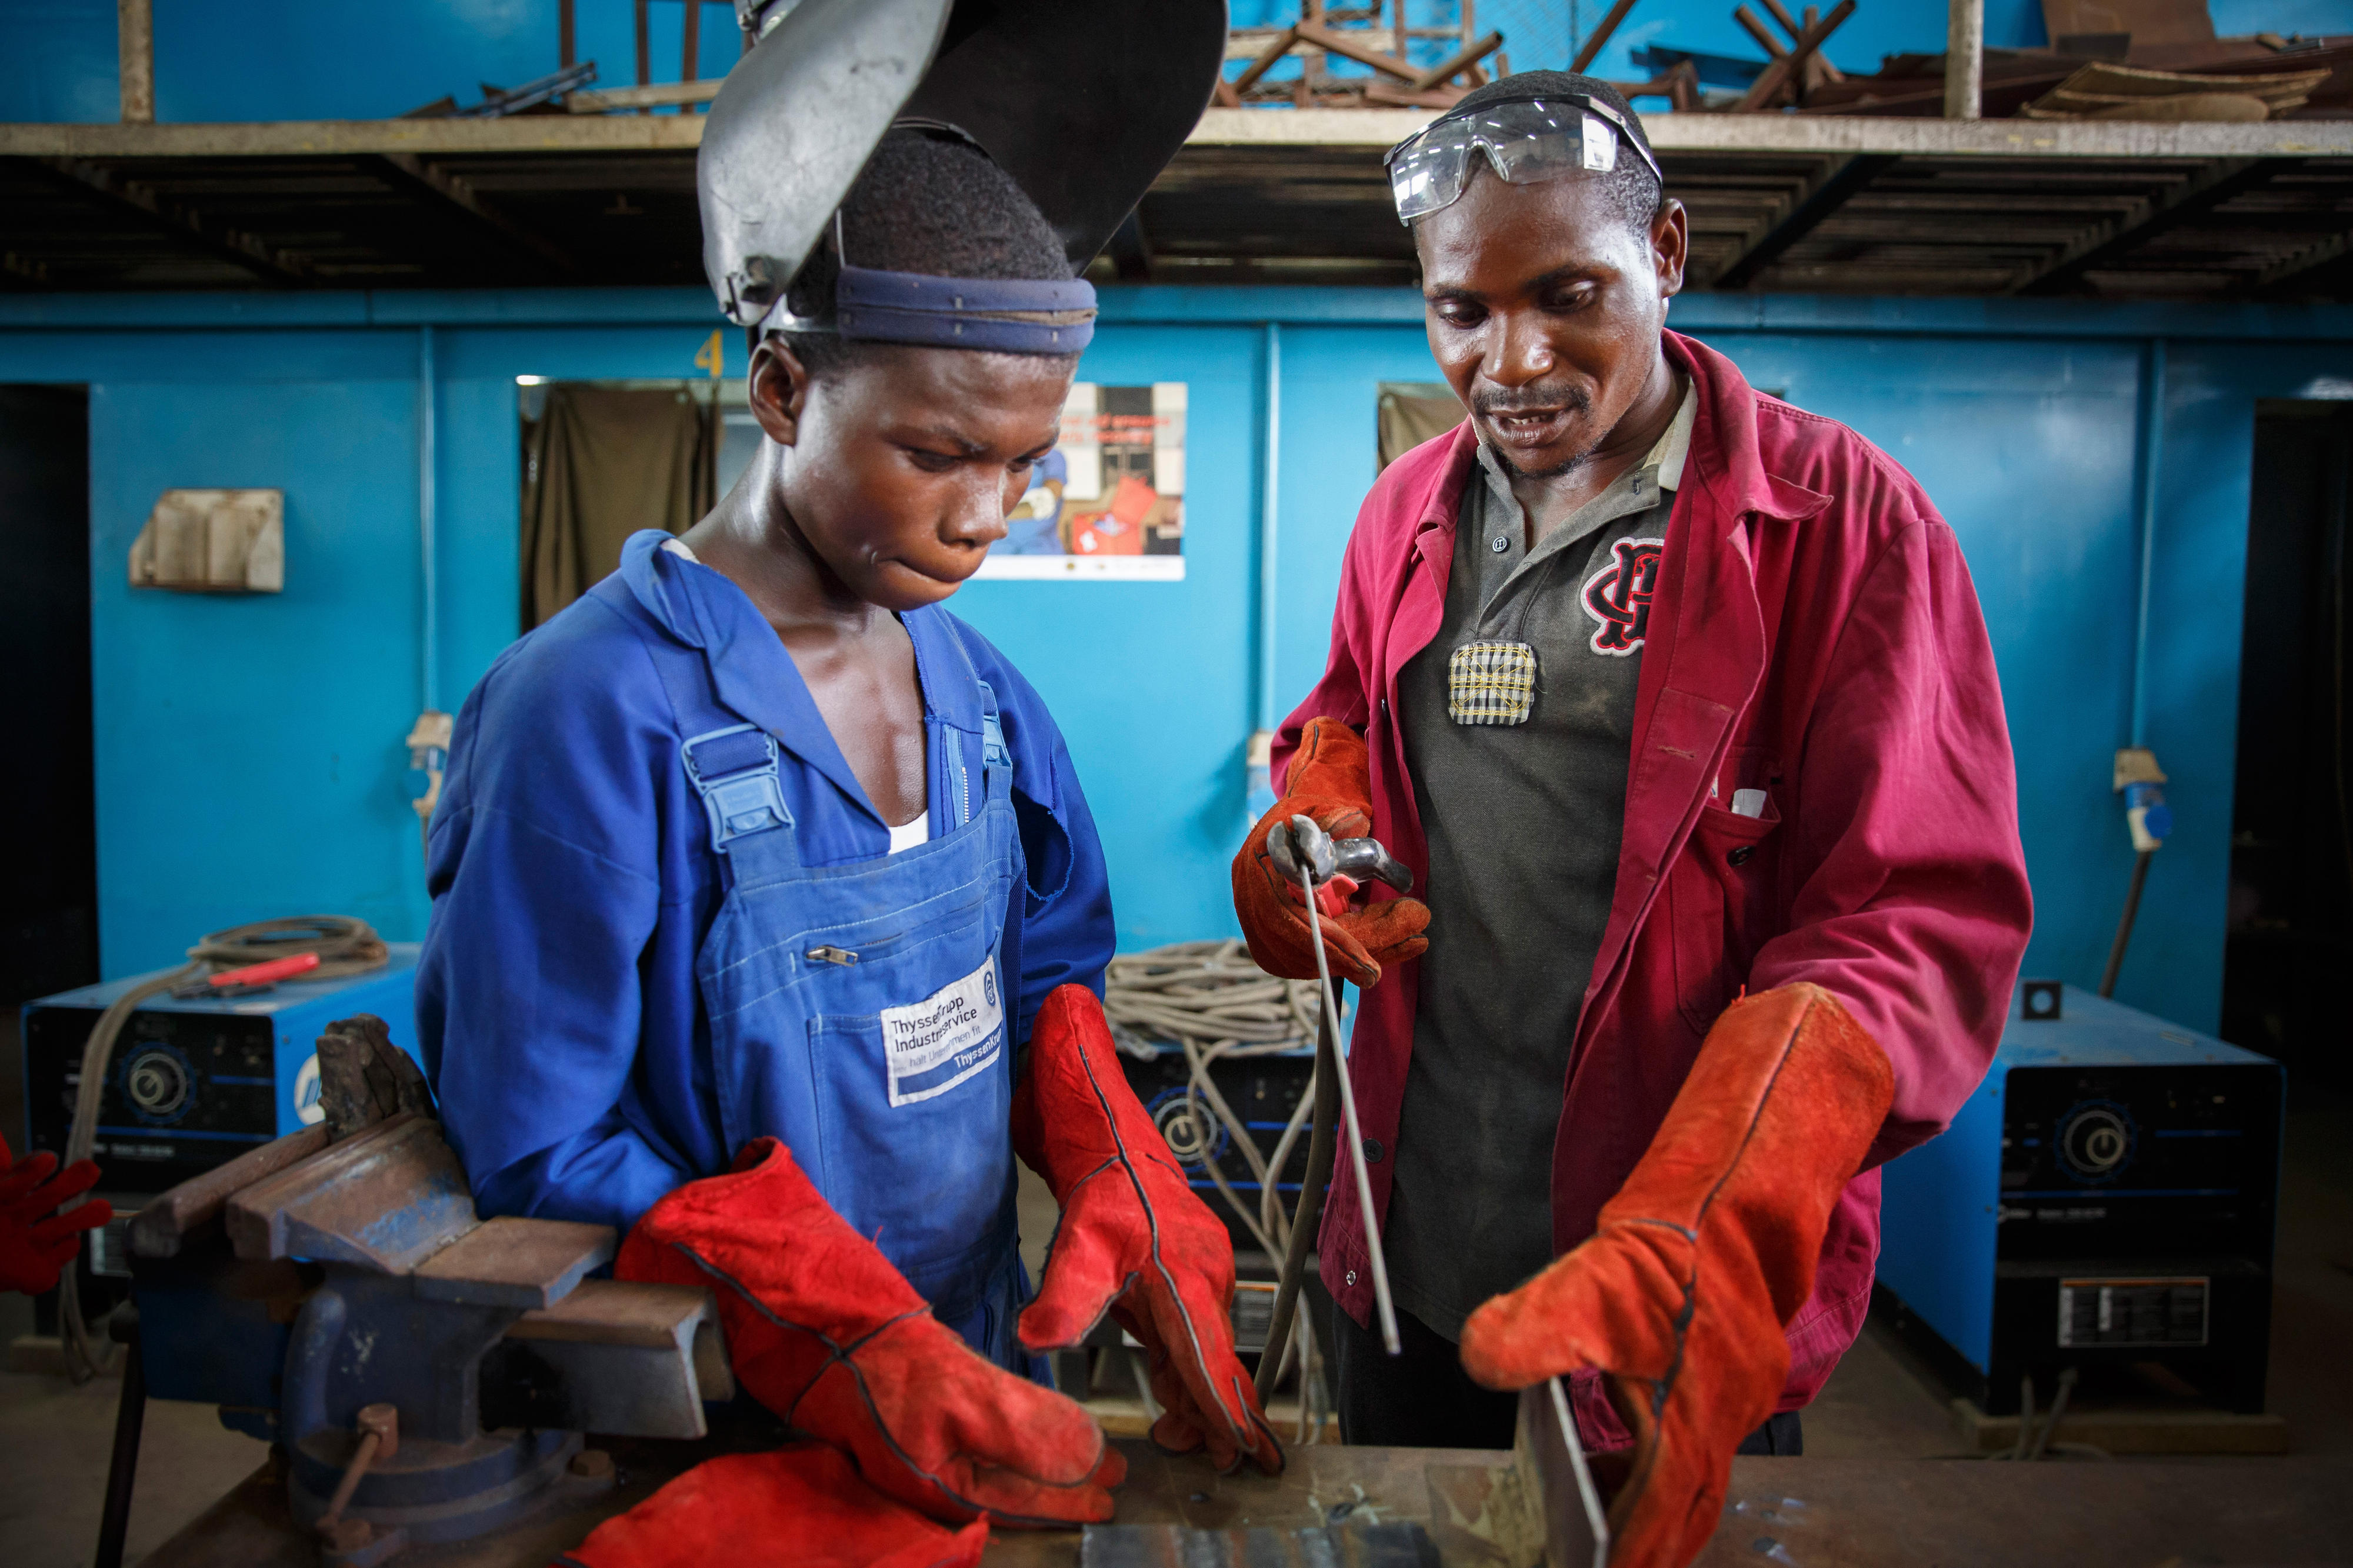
(1353, 1127)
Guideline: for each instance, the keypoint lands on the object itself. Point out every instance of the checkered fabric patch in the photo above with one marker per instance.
(1491, 683)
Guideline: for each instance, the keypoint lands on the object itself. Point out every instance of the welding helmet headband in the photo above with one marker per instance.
(1082, 103)
(1525, 142)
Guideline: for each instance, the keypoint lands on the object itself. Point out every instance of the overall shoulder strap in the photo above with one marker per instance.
(732, 764)
(996, 756)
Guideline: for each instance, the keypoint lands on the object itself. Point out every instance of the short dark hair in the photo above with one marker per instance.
(926, 202)
(1633, 189)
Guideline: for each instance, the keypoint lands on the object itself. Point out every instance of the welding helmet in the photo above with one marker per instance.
(1525, 141)
(1081, 101)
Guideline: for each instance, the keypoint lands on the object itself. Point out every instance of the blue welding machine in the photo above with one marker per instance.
(194, 1084)
(2106, 1197)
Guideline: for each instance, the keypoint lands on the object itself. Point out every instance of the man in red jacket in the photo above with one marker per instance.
(1669, 694)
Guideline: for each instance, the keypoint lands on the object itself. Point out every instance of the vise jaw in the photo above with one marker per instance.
(380, 1285)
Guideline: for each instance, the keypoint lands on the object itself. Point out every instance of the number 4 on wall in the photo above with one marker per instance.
(712, 356)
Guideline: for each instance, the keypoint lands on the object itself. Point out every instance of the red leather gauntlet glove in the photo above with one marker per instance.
(1135, 1239)
(1331, 781)
(792, 1508)
(1700, 1261)
(826, 1333)
(35, 1241)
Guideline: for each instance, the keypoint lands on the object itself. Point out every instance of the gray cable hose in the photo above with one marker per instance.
(345, 947)
(1210, 999)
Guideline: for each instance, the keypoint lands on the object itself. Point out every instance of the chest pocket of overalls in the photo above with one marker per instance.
(913, 1072)
(1720, 889)
(859, 1013)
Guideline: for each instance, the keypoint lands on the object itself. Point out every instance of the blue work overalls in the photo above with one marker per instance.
(860, 1012)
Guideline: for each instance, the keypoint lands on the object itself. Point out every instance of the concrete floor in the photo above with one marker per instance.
(1882, 1402)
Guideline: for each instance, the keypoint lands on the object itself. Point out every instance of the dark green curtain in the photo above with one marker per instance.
(600, 463)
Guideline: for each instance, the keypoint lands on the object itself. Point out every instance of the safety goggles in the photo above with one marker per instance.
(1526, 142)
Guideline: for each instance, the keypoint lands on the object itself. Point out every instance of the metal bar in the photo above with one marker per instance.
(1774, 48)
(1347, 48)
(231, 245)
(1827, 72)
(1274, 51)
(1840, 184)
(2193, 198)
(691, 42)
(416, 175)
(1964, 59)
(1601, 39)
(1760, 92)
(134, 26)
(567, 36)
(603, 101)
(1780, 13)
(645, 66)
(1461, 61)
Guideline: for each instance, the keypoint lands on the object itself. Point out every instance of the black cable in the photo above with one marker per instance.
(123, 1470)
(2125, 925)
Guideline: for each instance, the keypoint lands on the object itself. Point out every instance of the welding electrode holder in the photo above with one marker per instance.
(1301, 842)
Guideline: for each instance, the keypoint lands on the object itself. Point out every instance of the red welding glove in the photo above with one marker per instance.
(1681, 1293)
(35, 1241)
(826, 1333)
(1135, 1239)
(1331, 781)
(794, 1508)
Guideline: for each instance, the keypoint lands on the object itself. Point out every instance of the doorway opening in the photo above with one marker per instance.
(2290, 941)
(48, 916)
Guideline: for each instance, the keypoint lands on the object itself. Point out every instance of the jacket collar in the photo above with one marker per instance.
(1725, 460)
(754, 677)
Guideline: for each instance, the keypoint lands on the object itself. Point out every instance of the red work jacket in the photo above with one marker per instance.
(1813, 633)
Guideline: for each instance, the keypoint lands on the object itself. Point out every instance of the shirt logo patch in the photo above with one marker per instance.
(933, 1045)
(1618, 595)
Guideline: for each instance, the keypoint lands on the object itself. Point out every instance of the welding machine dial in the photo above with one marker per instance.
(1193, 1135)
(2096, 1140)
(157, 1082)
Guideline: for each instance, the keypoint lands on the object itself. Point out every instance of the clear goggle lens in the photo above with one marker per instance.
(1525, 143)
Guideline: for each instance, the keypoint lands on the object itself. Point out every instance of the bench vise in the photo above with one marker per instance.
(311, 1283)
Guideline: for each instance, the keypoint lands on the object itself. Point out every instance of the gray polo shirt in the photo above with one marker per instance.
(1522, 822)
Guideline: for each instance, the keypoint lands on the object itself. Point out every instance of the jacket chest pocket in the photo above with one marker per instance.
(1719, 896)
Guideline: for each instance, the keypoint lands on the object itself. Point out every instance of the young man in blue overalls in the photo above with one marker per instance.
(770, 920)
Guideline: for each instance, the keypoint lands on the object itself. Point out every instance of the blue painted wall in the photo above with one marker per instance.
(249, 749)
(297, 59)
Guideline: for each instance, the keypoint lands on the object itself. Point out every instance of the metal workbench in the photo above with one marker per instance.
(1813, 1513)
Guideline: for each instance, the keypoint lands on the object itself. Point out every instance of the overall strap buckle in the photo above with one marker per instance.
(736, 776)
(994, 752)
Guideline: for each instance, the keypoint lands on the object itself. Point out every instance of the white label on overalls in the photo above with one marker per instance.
(939, 1042)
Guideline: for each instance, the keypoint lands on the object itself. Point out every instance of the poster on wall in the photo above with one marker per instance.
(1108, 502)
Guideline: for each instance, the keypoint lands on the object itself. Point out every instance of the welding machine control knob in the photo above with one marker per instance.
(156, 1082)
(2096, 1140)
